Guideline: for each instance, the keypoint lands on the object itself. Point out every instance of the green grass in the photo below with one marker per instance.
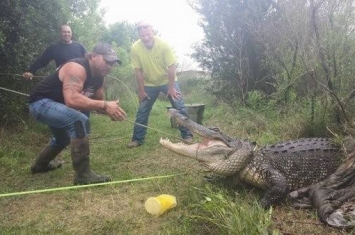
(203, 208)
(225, 212)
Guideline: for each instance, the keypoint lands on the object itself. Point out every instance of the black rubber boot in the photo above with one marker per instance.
(45, 161)
(81, 163)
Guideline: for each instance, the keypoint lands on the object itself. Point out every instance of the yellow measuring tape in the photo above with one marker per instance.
(85, 186)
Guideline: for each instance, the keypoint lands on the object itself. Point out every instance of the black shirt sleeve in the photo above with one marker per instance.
(43, 60)
(83, 49)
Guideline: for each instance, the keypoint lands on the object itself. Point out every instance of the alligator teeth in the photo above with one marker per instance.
(164, 140)
(167, 141)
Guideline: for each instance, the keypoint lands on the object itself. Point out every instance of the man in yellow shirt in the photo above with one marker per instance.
(154, 63)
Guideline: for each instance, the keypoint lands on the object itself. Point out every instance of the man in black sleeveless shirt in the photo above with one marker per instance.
(60, 52)
(62, 101)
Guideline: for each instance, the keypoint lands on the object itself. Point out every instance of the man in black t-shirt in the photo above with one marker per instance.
(61, 52)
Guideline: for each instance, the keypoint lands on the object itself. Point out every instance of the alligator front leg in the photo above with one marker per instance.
(276, 187)
(233, 163)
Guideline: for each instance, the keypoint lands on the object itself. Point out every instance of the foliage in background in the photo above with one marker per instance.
(289, 50)
(85, 18)
(26, 28)
(121, 33)
(309, 46)
(229, 50)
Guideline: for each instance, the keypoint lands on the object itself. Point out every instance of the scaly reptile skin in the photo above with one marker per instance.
(278, 169)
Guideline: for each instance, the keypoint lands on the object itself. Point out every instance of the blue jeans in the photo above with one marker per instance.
(62, 121)
(146, 105)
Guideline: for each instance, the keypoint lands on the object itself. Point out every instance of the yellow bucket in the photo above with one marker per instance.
(160, 204)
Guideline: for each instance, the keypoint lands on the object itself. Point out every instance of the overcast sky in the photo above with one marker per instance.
(174, 20)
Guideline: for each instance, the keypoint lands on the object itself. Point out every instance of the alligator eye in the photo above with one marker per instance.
(213, 128)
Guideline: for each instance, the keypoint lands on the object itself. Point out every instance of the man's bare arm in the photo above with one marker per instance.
(73, 77)
(171, 88)
(140, 82)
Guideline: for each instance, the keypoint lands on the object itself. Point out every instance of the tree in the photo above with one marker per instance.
(290, 49)
(22, 37)
(27, 27)
(121, 33)
(309, 45)
(229, 50)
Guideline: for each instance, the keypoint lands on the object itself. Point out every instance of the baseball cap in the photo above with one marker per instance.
(107, 52)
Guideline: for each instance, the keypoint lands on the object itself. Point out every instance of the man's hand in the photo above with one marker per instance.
(142, 96)
(27, 75)
(175, 95)
(115, 112)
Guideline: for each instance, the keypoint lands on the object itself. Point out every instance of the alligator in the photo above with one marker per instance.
(308, 170)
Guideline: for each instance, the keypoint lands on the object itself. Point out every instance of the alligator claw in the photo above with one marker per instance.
(211, 178)
(340, 220)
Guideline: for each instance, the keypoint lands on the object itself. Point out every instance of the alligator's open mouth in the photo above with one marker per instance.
(204, 144)
(211, 148)
(209, 135)
(207, 150)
